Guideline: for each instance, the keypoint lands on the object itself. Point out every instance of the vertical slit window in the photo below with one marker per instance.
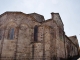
(60, 34)
(11, 33)
(36, 33)
(0, 34)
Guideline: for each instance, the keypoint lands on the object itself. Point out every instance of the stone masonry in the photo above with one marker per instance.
(31, 37)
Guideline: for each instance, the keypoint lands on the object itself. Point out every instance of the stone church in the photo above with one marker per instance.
(31, 37)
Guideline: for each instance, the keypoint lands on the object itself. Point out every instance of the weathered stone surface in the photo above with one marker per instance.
(34, 38)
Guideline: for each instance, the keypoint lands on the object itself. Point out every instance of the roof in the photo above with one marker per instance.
(74, 39)
(38, 17)
(58, 16)
(35, 16)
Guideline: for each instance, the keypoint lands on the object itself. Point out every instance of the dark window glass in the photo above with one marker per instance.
(11, 33)
(35, 33)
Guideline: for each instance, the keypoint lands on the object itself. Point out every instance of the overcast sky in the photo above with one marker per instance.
(69, 11)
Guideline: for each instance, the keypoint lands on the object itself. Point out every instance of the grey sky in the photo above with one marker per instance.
(69, 11)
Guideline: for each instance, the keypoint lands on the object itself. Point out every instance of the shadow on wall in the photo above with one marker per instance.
(73, 58)
(70, 58)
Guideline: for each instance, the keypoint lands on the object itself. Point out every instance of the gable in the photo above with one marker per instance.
(56, 17)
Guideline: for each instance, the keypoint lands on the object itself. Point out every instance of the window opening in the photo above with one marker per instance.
(36, 33)
(0, 34)
(11, 33)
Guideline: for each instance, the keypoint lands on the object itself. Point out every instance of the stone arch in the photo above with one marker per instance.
(24, 29)
(30, 21)
(9, 45)
(8, 27)
(24, 25)
(11, 24)
(23, 49)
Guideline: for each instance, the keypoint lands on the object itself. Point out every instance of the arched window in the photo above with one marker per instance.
(11, 34)
(36, 33)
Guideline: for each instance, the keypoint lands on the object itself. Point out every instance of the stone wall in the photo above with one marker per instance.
(20, 46)
(71, 48)
(57, 19)
(34, 38)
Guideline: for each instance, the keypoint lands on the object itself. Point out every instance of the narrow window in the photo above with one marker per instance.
(11, 34)
(0, 34)
(60, 34)
(35, 33)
